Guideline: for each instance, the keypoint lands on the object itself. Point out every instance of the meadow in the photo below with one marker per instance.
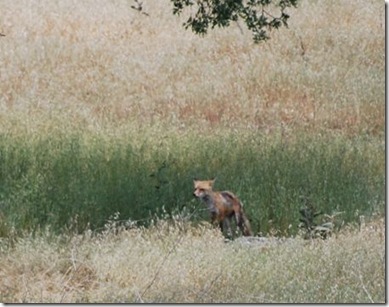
(108, 115)
(179, 263)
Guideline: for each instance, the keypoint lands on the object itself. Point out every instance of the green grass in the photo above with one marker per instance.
(55, 179)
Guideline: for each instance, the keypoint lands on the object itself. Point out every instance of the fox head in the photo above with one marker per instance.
(202, 187)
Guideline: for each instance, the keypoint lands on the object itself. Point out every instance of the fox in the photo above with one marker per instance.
(223, 206)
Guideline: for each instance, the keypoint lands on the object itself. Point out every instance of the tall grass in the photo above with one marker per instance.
(100, 65)
(55, 179)
(105, 110)
(106, 115)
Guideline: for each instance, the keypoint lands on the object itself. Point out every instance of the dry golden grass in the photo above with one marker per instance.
(180, 263)
(93, 64)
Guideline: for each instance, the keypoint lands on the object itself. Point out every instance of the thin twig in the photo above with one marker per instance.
(206, 289)
(239, 27)
(163, 262)
(160, 267)
(364, 289)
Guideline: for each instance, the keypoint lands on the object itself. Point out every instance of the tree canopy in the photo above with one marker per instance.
(260, 16)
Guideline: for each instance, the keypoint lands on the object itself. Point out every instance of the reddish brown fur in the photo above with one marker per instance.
(223, 206)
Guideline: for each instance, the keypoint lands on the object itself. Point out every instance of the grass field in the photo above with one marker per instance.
(106, 112)
(178, 263)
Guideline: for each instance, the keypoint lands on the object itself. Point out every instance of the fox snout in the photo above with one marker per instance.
(199, 193)
(196, 193)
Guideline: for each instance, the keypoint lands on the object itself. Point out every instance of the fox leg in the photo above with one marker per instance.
(214, 221)
(227, 224)
(243, 223)
(221, 225)
(239, 221)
